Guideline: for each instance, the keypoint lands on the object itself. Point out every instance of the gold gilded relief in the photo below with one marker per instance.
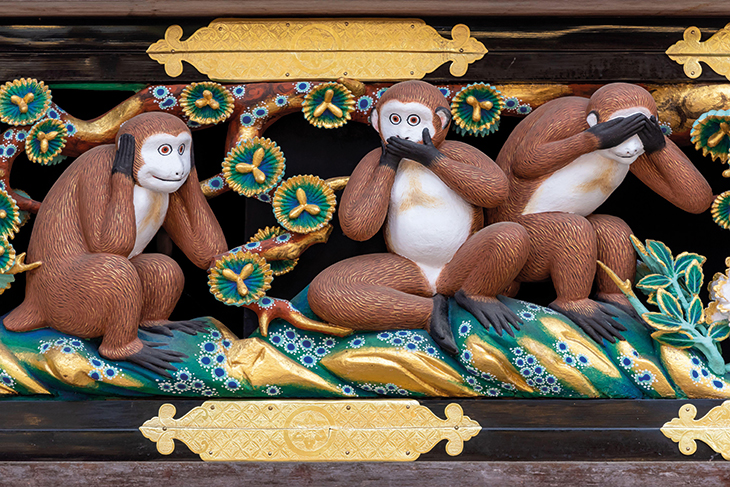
(314, 430)
(715, 52)
(316, 49)
(711, 429)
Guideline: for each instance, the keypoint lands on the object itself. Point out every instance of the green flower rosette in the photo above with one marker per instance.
(45, 141)
(240, 278)
(278, 267)
(721, 210)
(206, 103)
(476, 109)
(23, 101)
(303, 204)
(9, 214)
(711, 134)
(254, 166)
(7, 258)
(328, 105)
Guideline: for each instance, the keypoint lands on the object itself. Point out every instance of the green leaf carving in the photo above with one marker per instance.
(719, 331)
(652, 282)
(694, 312)
(662, 322)
(662, 254)
(677, 339)
(694, 278)
(668, 304)
(683, 261)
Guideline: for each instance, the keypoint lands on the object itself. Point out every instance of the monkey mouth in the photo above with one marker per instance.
(168, 180)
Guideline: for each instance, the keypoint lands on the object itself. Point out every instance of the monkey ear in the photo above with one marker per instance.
(374, 120)
(592, 119)
(445, 116)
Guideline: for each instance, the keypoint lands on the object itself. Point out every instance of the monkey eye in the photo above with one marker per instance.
(181, 149)
(414, 119)
(394, 118)
(165, 149)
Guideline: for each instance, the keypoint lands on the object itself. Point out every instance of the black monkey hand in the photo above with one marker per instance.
(124, 160)
(388, 158)
(614, 132)
(424, 153)
(652, 136)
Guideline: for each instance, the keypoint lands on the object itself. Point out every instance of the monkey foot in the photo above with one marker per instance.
(489, 312)
(164, 327)
(621, 302)
(156, 360)
(440, 328)
(594, 318)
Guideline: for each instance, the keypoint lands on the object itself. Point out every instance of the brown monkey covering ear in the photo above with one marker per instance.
(429, 197)
(85, 231)
(560, 170)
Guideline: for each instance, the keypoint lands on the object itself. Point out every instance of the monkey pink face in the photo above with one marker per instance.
(165, 162)
(404, 120)
(630, 149)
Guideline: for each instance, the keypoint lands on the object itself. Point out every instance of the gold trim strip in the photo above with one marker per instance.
(715, 52)
(712, 429)
(316, 49)
(394, 430)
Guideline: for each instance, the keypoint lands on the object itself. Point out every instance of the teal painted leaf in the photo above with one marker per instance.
(662, 322)
(661, 253)
(719, 331)
(694, 278)
(668, 304)
(677, 339)
(695, 311)
(683, 261)
(653, 282)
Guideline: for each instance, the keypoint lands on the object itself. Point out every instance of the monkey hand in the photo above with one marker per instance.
(614, 132)
(425, 153)
(652, 136)
(490, 311)
(388, 158)
(124, 160)
(595, 319)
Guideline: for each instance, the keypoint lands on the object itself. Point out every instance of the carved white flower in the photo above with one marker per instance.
(719, 307)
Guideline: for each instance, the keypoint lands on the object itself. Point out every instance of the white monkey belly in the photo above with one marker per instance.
(580, 187)
(427, 220)
(150, 208)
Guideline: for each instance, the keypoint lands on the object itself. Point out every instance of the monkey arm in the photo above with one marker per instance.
(106, 206)
(673, 176)
(192, 225)
(541, 160)
(471, 174)
(365, 200)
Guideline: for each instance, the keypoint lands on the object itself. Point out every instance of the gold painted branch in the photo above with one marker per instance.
(316, 49)
(278, 431)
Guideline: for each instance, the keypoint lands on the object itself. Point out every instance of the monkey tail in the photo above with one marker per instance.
(25, 317)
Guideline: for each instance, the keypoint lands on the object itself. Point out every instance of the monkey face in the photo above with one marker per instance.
(404, 120)
(163, 164)
(630, 149)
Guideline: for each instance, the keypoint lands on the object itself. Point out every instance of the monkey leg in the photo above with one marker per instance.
(381, 292)
(563, 247)
(162, 284)
(484, 265)
(614, 250)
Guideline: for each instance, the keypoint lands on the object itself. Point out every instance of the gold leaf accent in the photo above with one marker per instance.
(715, 52)
(316, 49)
(711, 429)
(309, 431)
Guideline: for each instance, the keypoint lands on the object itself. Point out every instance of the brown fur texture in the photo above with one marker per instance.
(84, 232)
(565, 246)
(387, 291)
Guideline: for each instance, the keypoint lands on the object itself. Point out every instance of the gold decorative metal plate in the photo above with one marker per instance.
(713, 429)
(317, 430)
(316, 49)
(715, 52)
